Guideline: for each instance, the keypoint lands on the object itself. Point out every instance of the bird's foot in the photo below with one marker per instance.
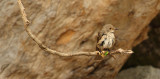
(103, 53)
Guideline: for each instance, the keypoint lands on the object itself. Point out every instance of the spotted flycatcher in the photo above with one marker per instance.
(106, 38)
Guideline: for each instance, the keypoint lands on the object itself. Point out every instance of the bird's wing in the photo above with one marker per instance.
(99, 35)
(113, 41)
(98, 38)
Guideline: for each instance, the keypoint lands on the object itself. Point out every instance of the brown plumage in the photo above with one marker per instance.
(106, 38)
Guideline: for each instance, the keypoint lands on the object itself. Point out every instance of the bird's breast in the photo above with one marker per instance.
(109, 41)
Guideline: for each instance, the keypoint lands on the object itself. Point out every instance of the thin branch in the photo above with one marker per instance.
(45, 48)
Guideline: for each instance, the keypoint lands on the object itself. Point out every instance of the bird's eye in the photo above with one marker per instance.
(110, 28)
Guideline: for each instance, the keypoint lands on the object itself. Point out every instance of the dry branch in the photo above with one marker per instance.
(45, 48)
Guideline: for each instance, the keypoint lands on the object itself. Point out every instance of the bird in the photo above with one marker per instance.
(106, 38)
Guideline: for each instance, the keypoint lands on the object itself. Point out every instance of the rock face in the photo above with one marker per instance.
(148, 52)
(69, 25)
(140, 72)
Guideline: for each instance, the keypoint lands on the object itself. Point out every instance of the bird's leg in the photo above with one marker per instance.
(108, 50)
(101, 51)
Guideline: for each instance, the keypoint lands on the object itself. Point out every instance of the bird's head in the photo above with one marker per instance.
(109, 28)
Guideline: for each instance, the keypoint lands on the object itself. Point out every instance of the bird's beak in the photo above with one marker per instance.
(116, 29)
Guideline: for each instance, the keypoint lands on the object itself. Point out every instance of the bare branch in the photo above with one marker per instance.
(45, 48)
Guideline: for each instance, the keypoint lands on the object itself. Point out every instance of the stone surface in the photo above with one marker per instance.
(148, 52)
(140, 72)
(69, 25)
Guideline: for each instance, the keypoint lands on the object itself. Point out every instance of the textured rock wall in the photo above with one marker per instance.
(140, 72)
(148, 52)
(68, 25)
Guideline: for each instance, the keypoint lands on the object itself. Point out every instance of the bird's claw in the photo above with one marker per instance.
(104, 53)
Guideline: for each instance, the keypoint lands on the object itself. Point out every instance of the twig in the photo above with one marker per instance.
(45, 48)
